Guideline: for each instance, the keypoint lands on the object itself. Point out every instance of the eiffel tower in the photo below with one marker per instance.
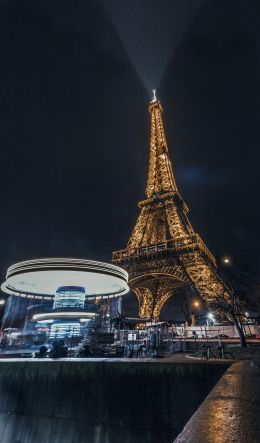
(164, 252)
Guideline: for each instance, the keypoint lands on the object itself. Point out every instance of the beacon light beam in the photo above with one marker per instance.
(150, 32)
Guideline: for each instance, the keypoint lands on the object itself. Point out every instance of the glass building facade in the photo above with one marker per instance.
(65, 329)
(69, 297)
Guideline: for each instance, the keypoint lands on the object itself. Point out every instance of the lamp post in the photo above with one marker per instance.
(210, 319)
(237, 318)
(196, 305)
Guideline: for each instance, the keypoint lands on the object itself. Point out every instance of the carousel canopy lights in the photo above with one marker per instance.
(45, 277)
(52, 315)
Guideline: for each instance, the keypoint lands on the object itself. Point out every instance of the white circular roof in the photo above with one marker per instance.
(42, 277)
(63, 315)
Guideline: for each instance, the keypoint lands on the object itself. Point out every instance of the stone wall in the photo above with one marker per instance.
(76, 401)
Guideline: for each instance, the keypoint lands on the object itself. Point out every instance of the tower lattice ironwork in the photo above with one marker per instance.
(164, 252)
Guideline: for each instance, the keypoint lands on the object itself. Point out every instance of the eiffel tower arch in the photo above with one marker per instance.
(164, 252)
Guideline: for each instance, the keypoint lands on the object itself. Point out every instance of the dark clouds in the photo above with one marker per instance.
(74, 129)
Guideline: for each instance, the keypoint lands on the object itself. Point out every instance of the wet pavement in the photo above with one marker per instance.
(231, 412)
(176, 358)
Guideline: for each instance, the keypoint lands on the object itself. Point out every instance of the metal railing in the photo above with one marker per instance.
(182, 244)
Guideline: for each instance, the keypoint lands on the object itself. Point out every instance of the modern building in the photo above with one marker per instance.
(60, 295)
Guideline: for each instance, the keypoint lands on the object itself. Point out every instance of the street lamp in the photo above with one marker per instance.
(226, 261)
(196, 305)
(211, 319)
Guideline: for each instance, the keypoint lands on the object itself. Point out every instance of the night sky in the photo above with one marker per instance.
(74, 125)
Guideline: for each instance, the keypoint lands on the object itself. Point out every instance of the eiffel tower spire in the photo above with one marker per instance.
(160, 176)
(160, 219)
(164, 252)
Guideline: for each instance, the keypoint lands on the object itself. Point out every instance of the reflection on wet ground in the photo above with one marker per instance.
(231, 412)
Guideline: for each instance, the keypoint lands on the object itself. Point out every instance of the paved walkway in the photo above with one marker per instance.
(176, 358)
(231, 412)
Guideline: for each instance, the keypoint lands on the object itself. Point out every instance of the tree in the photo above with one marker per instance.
(229, 305)
(185, 307)
(234, 298)
(90, 342)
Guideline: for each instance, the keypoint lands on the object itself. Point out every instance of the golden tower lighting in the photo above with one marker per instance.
(164, 252)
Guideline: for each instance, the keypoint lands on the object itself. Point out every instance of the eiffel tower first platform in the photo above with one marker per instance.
(164, 252)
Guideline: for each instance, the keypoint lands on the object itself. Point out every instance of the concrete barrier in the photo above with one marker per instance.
(84, 401)
(231, 411)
